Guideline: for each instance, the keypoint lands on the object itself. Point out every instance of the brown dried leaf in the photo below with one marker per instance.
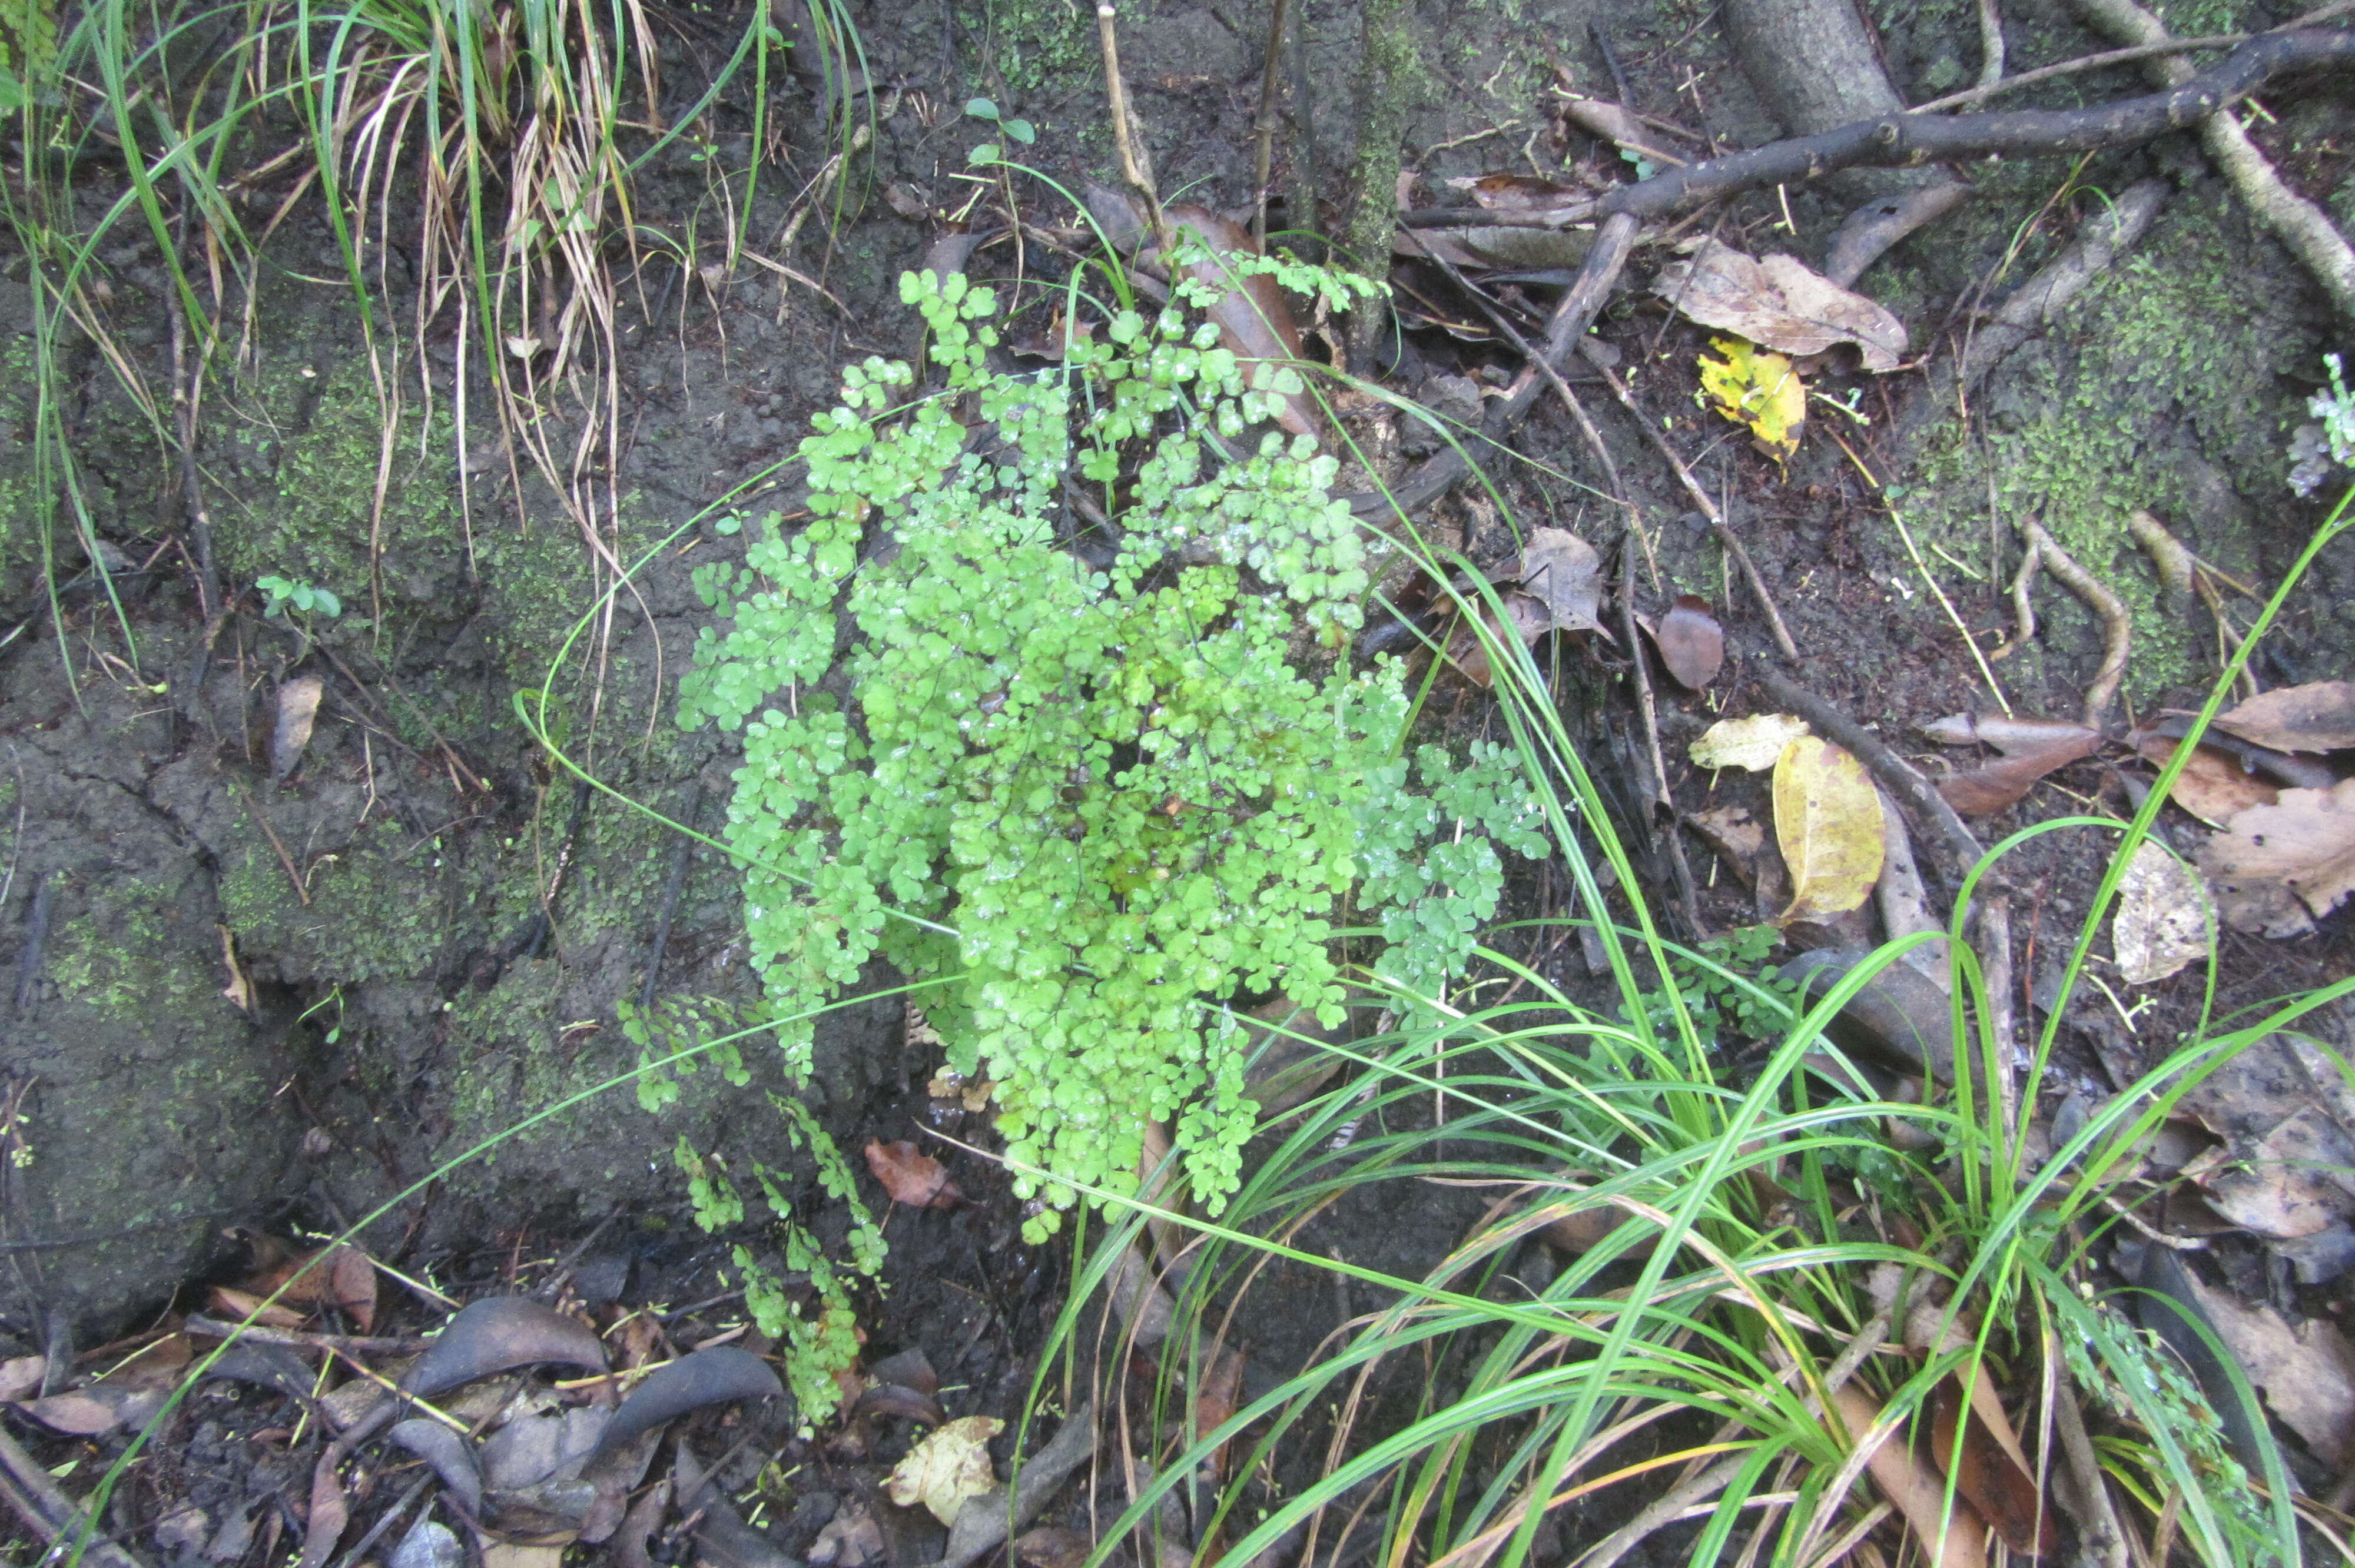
(298, 708)
(1532, 619)
(714, 1376)
(2277, 867)
(2285, 1184)
(1917, 1492)
(2307, 1373)
(911, 1177)
(1998, 1485)
(2319, 716)
(497, 1333)
(1565, 572)
(2214, 786)
(1735, 835)
(1253, 320)
(1995, 785)
(22, 1375)
(1052, 1546)
(1828, 824)
(2162, 919)
(1692, 642)
(1504, 249)
(238, 1305)
(1521, 193)
(1778, 301)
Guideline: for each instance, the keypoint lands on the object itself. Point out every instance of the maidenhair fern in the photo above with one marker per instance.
(1092, 804)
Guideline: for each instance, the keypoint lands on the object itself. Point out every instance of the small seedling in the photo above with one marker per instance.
(283, 593)
(1021, 131)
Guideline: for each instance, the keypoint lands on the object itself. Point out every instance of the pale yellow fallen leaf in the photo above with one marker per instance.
(2162, 919)
(1755, 743)
(947, 1468)
(1828, 824)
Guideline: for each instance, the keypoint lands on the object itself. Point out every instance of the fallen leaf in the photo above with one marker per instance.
(715, 1376)
(1993, 786)
(2162, 919)
(509, 1554)
(1531, 621)
(452, 1457)
(1220, 1390)
(2000, 1487)
(1565, 573)
(22, 1375)
(2319, 716)
(1755, 743)
(1253, 320)
(81, 1414)
(497, 1333)
(948, 1466)
(2283, 1185)
(2288, 769)
(1827, 825)
(239, 1305)
(911, 1177)
(1692, 642)
(2307, 1373)
(2214, 786)
(340, 1275)
(1758, 391)
(1521, 193)
(851, 1539)
(298, 709)
(2276, 868)
(1956, 1541)
(1500, 247)
(2008, 734)
(1779, 302)
(329, 1513)
(1734, 834)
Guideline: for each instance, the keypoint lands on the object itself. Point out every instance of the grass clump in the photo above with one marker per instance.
(1103, 806)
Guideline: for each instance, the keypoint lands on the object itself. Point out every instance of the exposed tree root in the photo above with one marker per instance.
(2117, 627)
(2296, 222)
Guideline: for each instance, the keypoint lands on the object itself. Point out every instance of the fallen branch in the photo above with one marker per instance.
(1906, 141)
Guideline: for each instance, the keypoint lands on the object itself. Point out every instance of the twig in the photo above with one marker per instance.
(2102, 61)
(1908, 140)
(1725, 536)
(302, 1339)
(2117, 627)
(1958, 849)
(1135, 161)
(44, 1507)
(2085, 1467)
(1688, 898)
(1271, 93)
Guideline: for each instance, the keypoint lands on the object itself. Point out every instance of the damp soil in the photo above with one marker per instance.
(269, 997)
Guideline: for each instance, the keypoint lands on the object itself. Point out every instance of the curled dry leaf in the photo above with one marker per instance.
(1498, 247)
(2286, 1184)
(2277, 868)
(1828, 824)
(1253, 320)
(715, 1376)
(1780, 303)
(497, 1333)
(2162, 919)
(1989, 1471)
(1692, 642)
(1521, 194)
(910, 1176)
(2007, 781)
(948, 1466)
(452, 1457)
(2319, 716)
(1531, 621)
(2214, 786)
(2307, 1373)
(1754, 743)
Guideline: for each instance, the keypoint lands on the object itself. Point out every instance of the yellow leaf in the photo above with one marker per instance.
(1753, 387)
(947, 1468)
(1827, 821)
(1755, 743)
